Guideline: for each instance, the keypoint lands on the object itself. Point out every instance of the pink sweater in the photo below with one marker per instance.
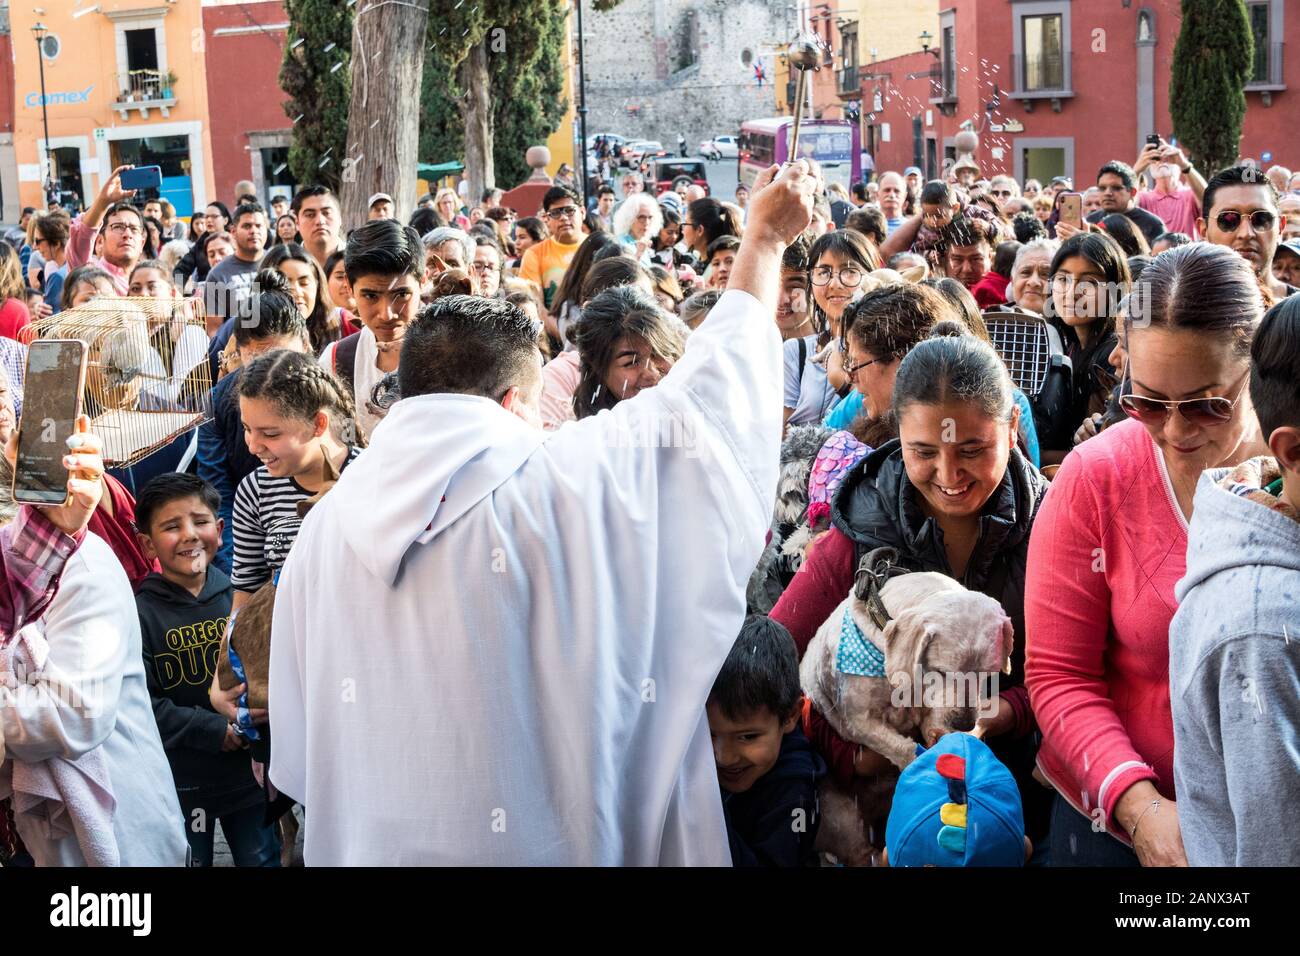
(1107, 549)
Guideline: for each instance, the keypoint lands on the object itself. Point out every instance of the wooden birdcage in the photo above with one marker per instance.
(147, 374)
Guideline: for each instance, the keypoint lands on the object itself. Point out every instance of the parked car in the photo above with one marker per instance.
(666, 170)
(720, 147)
(637, 152)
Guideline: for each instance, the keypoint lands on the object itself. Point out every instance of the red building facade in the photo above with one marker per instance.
(1055, 87)
(244, 45)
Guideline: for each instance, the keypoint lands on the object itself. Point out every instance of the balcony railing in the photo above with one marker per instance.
(848, 81)
(144, 90)
(943, 84)
(1042, 75)
(1267, 72)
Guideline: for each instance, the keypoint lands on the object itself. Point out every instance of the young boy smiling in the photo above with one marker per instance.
(768, 770)
(183, 612)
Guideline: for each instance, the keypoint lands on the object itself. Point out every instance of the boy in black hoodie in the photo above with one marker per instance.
(183, 614)
(768, 770)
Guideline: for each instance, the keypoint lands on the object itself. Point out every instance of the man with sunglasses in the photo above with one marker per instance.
(545, 262)
(1118, 185)
(1240, 211)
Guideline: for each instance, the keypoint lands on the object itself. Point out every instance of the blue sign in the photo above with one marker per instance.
(58, 99)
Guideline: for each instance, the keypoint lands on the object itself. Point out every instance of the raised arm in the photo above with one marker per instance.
(901, 239)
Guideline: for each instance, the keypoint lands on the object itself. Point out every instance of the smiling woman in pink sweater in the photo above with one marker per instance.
(1110, 544)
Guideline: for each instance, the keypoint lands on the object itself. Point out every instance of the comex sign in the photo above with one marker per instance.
(56, 99)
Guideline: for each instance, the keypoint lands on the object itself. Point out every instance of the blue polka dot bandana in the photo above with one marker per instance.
(856, 654)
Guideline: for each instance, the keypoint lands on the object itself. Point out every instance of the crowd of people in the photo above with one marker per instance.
(540, 510)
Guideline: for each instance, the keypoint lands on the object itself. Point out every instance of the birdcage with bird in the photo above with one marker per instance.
(147, 374)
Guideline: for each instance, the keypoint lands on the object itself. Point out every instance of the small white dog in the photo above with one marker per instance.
(931, 670)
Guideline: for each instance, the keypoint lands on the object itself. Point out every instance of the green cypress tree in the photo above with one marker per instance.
(1213, 59)
(316, 74)
(526, 81)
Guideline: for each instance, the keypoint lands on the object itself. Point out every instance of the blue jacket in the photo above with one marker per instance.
(224, 460)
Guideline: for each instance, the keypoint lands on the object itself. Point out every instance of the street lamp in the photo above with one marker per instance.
(582, 110)
(925, 39)
(39, 30)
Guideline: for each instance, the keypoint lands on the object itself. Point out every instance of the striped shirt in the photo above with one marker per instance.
(266, 525)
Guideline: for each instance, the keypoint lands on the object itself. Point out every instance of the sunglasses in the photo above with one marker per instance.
(1261, 220)
(1202, 412)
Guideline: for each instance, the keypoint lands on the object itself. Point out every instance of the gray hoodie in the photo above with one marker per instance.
(1234, 675)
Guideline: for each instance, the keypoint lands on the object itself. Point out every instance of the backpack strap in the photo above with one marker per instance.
(345, 362)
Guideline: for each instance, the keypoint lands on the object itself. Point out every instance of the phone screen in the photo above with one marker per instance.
(142, 177)
(52, 394)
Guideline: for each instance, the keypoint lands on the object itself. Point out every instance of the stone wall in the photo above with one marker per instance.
(656, 68)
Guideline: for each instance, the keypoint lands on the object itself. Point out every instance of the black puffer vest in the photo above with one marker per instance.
(877, 506)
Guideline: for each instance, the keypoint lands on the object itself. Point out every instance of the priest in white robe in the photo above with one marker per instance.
(493, 645)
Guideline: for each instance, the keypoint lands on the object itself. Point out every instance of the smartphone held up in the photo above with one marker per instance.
(53, 390)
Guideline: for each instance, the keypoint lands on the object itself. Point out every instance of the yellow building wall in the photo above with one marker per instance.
(88, 65)
(891, 27)
(560, 142)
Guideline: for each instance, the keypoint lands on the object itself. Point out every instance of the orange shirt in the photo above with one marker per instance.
(545, 263)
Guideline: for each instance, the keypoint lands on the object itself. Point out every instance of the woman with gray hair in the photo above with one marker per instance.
(637, 222)
(1031, 277)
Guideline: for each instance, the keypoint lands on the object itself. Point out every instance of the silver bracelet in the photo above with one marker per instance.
(1154, 804)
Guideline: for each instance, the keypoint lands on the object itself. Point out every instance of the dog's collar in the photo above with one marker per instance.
(874, 571)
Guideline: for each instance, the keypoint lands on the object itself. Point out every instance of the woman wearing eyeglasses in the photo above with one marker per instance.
(1110, 544)
(814, 375)
(637, 223)
(1090, 277)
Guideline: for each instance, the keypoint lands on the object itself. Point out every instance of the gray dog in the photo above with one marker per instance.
(931, 670)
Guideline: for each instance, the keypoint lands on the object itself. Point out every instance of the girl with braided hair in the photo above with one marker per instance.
(300, 423)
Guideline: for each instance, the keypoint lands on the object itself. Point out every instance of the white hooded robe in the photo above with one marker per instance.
(493, 645)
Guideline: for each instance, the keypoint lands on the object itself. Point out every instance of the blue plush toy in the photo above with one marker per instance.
(956, 805)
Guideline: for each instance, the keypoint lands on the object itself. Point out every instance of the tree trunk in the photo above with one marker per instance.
(477, 111)
(383, 135)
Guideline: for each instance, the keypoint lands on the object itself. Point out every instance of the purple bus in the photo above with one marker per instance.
(835, 144)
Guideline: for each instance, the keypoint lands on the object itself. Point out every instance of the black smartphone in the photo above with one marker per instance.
(142, 177)
(1153, 139)
(52, 397)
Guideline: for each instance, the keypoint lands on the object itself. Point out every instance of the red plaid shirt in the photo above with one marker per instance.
(32, 555)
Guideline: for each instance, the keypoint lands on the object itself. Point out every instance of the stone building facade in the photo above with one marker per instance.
(657, 68)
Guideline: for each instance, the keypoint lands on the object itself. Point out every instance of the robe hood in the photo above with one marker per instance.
(433, 458)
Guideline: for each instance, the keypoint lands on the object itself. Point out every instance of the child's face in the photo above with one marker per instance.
(286, 446)
(746, 749)
(150, 283)
(936, 216)
(721, 265)
(183, 535)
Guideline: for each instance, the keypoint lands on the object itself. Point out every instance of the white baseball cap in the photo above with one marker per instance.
(379, 197)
